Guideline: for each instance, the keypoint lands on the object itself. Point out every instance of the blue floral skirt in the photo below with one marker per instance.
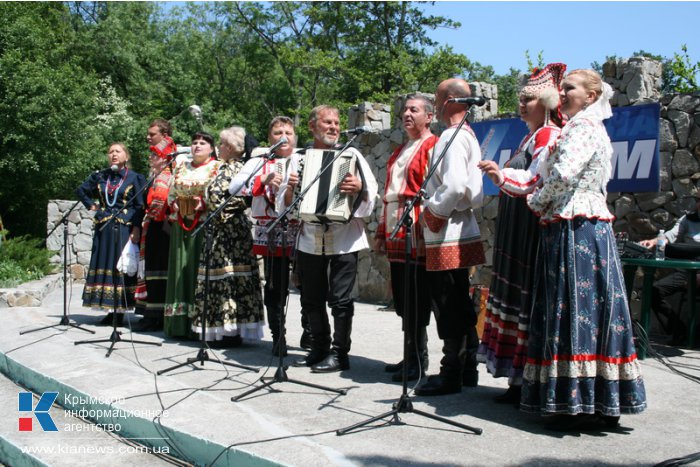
(581, 356)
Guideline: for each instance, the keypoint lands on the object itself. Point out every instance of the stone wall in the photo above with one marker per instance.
(79, 236)
(637, 81)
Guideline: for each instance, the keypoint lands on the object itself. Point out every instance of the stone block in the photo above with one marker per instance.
(610, 69)
(52, 210)
(386, 120)
(650, 201)
(19, 298)
(78, 271)
(681, 123)
(82, 242)
(694, 137)
(623, 206)
(374, 115)
(640, 226)
(353, 116)
(86, 226)
(684, 163)
(684, 103)
(635, 88)
(397, 136)
(74, 217)
(665, 170)
(381, 149)
(667, 139)
(679, 207)
(662, 217)
(83, 257)
(683, 187)
(55, 241)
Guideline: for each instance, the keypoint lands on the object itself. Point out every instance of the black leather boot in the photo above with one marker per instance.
(321, 342)
(470, 375)
(415, 371)
(148, 324)
(108, 320)
(338, 359)
(306, 341)
(273, 321)
(449, 380)
(313, 357)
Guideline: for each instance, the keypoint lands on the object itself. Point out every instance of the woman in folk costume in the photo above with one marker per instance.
(187, 210)
(264, 189)
(234, 299)
(503, 345)
(405, 173)
(581, 356)
(155, 240)
(114, 188)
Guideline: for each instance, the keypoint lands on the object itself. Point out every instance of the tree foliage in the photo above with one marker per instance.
(76, 76)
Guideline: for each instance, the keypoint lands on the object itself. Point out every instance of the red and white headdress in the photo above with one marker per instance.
(164, 148)
(544, 84)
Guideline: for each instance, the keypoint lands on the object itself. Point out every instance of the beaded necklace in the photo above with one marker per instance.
(114, 189)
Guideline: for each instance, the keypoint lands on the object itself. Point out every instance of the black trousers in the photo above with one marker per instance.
(663, 289)
(454, 309)
(326, 279)
(276, 281)
(418, 293)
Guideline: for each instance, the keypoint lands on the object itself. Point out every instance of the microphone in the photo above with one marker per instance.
(360, 130)
(478, 100)
(173, 155)
(115, 168)
(269, 152)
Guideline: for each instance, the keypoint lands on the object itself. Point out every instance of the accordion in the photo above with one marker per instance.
(323, 203)
(281, 164)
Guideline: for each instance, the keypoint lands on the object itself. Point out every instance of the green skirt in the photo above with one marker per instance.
(182, 281)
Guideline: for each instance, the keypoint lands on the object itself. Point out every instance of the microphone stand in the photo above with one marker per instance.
(116, 252)
(281, 372)
(404, 404)
(65, 321)
(202, 354)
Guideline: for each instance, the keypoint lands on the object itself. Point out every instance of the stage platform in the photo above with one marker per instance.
(187, 417)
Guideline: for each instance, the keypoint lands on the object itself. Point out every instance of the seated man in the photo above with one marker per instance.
(686, 230)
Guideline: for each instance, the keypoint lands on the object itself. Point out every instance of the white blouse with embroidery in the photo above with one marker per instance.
(576, 174)
(539, 145)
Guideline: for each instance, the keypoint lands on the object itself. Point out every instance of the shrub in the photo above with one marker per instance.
(23, 259)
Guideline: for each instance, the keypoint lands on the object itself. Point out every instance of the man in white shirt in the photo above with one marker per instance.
(453, 241)
(327, 253)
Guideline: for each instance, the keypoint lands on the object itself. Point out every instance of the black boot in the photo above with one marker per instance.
(393, 367)
(107, 320)
(321, 342)
(511, 396)
(470, 375)
(148, 324)
(414, 370)
(306, 341)
(338, 359)
(273, 321)
(449, 381)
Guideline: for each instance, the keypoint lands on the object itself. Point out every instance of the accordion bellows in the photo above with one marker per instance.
(323, 203)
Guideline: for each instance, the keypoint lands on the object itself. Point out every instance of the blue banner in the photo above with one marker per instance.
(633, 131)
